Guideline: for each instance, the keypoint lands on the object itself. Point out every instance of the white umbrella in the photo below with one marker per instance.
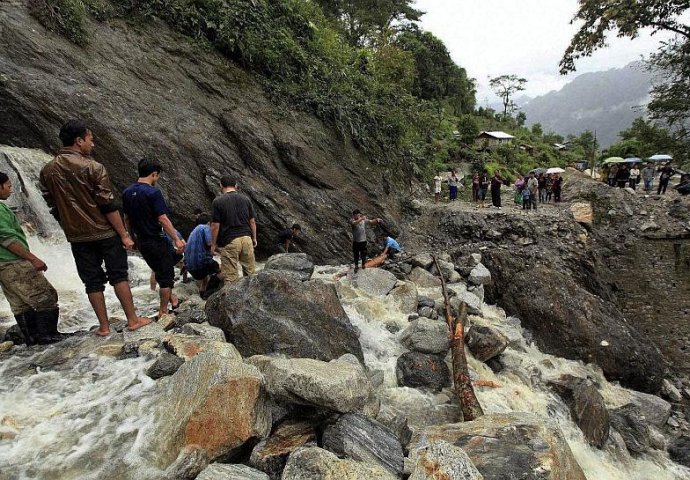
(554, 170)
(660, 158)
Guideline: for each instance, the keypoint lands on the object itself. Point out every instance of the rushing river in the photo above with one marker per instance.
(90, 416)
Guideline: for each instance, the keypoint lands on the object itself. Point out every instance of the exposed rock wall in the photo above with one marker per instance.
(147, 91)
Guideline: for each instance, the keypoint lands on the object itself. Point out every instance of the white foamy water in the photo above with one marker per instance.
(84, 416)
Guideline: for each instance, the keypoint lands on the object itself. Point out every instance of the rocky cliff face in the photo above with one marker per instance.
(148, 91)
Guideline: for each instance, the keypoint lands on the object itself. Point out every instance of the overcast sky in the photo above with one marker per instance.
(522, 37)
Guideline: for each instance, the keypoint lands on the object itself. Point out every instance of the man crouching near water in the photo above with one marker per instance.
(78, 191)
(32, 299)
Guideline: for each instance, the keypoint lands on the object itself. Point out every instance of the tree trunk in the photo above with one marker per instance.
(471, 409)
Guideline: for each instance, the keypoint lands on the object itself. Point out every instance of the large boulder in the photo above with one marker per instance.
(220, 471)
(485, 342)
(366, 440)
(337, 385)
(299, 264)
(211, 402)
(502, 446)
(204, 330)
(656, 410)
(572, 322)
(424, 279)
(633, 427)
(480, 275)
(586, 405)
(271, 313)
(415, 369)
(405, 297)
(679, 450)
(426, 336)
(374, 281)
(441, 460)
(270, 455)
(317, 464)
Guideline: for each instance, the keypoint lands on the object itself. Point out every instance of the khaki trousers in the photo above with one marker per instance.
(239, 252)
(25, 288)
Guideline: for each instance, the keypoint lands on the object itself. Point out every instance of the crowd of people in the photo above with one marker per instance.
(624, 175)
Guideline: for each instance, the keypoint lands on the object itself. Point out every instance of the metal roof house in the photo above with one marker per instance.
(494, 139)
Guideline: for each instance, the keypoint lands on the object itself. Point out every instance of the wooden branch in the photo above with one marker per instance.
(471, 408)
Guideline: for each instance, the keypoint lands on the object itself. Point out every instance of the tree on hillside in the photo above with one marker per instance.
(362, 20)
(627, 17)
(521, 118)
(644, 139)
(438, 77)
(505, 87)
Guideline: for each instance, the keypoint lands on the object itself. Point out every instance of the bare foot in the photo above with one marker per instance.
(102, 333)
(138, 323)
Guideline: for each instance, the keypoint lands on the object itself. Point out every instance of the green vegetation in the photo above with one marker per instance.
(363, 67)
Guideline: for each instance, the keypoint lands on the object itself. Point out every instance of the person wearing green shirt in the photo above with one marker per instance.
(32, 299)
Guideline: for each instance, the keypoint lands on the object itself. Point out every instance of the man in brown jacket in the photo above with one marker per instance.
(78, 190)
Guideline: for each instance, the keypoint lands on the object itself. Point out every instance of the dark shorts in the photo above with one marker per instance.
(159, 258)
(207, 269)
(89, 258)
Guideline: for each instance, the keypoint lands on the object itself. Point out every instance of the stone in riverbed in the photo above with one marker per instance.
(415, 369)
(679, 451)
(423, 260)
(165, 365)
(405, 296)
(365, 440)
(632, 426)
(374, 281)
(396, 423)
(220, 471)
(586, 405)
(426, 336)
(502, 446)
(441, 460)
(152, 331)
(204, 330)
(14, 335)
(6, 346)
(270, 455)
(480, 275)
(211, 402)
(670, 391)
(189, 346)
(299, 264)
(337, 385)
(315, 463)
(271, 313)
(191, 461)
(474, 304)
(485, 342)
(191, 311)
(656, 410)
(424, 279)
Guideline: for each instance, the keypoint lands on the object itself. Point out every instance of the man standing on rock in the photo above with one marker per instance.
(147, 215)
(32, 299)
(233, 229)
(648, 174)
(359, 236)
(78, 191)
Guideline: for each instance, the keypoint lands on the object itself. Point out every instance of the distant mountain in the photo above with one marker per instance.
(607, 102)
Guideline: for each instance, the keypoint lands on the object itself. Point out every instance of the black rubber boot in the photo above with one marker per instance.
(46, 327)
(27, 330)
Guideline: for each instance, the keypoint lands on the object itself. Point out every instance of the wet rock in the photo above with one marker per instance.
(582, 319)
(480, 275)
(6, 346)
(587, 407)
(656, 410)
(365, 440)
(337, 385)
(474, 259)
(632, 425)
(191, 461)
(447, 270)
(426, 302)
(271, 313)
(474, 305)
(419, 408)
(396, 423)
(503, 446)
(14, 335)
(670, 391)
(211, 402)
(188, 346)
(426, 336)
(415, 369)
(300, 264)
(375, 281)
(615, 446)
(317, 464)
(167, 321)
(424, 279)
(423, 260)
(220, 471)
(270, 455)
(679, 450)
(477, 290)
(191, 311)
(205, 331)
(165, 365)
(441, 460)
(428, 312)
(485, 342)
(405, 296)
(152, 331)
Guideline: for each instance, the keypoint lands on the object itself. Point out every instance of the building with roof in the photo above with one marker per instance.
(494, 139)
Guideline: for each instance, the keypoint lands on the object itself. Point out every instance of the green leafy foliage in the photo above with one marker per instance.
(64, 16)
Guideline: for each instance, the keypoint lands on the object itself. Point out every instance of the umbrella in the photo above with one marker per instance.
(633, 160)
(554, 170)
(537, 171)
(660, 158)
(614, 160)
